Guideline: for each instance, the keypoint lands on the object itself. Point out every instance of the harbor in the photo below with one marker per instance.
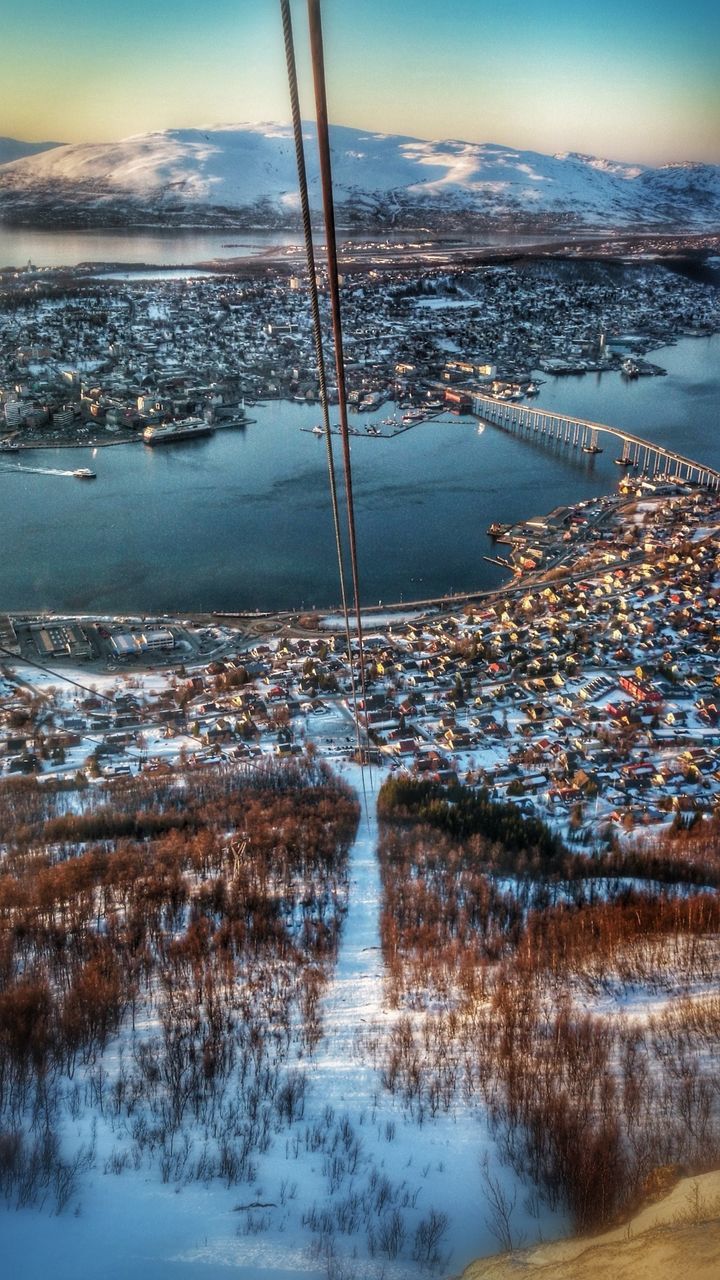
(425, 501)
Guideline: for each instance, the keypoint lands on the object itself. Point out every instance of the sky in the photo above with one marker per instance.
(626, 79)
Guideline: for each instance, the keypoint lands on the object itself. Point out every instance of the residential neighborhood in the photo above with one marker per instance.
(586, 692)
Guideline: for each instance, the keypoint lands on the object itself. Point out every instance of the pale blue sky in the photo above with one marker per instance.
(637, 80)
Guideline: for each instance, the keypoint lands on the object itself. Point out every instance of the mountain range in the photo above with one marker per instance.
(244, 176)
(13, 149)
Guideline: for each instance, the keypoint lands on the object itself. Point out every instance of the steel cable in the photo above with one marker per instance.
(317, 338)
(318, 64)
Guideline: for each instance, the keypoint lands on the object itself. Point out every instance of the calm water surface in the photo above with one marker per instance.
(241, 519)
(20, 245)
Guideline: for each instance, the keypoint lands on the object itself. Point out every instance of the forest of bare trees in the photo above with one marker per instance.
(199, 916)
(166, 943)
(581, 1013)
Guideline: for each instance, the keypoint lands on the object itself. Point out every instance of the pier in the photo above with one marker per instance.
(544, 425)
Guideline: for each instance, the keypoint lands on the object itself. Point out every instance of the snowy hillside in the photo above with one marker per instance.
(237, 174)
(13, 149)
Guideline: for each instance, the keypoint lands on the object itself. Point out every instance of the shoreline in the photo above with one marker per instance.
(106, 444)
(658, 344)
(526, 240)
(319, 622)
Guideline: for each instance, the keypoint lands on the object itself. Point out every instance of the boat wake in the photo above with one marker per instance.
(37, 471)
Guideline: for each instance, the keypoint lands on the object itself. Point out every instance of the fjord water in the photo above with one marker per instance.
(20, 245)
(172, 249)
(241, 520)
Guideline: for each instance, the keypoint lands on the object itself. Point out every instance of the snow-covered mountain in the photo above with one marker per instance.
(245, 175)
(14, 149)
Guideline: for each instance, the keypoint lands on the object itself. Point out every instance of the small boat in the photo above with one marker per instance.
(84, 473)
(591, 448)
(623, 462)
(318, 431)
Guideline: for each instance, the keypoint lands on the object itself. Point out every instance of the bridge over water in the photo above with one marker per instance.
(651, 459)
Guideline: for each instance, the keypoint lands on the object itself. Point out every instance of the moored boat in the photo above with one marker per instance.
(185, 429)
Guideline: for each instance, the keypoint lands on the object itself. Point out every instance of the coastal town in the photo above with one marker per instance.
(360, 642)
(585, 692)
(87, 358)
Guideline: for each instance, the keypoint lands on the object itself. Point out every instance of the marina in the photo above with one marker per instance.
(373, 431)
(424, 503)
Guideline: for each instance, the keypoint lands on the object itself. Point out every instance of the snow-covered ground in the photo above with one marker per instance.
(362, 1145)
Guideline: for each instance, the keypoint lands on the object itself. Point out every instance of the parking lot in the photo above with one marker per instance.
(332, 728)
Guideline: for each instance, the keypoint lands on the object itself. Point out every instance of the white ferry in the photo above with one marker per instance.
(185, 429)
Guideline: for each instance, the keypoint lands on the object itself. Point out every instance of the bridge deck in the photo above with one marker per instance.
(521, 412)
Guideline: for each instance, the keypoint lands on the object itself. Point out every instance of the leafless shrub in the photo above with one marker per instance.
(429, 1235)
(391, 1234)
